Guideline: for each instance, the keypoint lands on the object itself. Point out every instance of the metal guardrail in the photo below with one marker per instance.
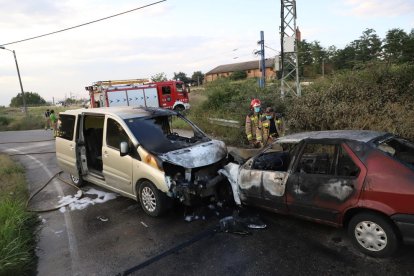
(223, 122)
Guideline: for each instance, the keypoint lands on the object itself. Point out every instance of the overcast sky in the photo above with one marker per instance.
(173, 36)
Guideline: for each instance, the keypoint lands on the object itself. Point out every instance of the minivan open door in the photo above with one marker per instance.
(66, 144)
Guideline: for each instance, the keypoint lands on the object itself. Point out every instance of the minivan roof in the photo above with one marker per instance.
(124, 112)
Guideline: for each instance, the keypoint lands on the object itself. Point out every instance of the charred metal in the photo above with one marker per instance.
(190, 185)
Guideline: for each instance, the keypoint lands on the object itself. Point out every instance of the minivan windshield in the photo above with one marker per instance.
(161, 134)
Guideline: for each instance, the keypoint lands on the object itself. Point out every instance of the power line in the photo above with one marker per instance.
(84, 24)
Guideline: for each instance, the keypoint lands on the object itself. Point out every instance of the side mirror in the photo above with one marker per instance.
(123, 148)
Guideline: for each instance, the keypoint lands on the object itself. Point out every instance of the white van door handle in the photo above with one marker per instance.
(105, 153)
(71, 147)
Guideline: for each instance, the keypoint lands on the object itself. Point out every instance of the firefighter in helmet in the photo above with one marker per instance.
(254, 124)
(273, 126)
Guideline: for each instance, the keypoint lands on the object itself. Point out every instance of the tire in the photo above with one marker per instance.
(179, 108)
(153, 201)
(77, 180)
(373, 234)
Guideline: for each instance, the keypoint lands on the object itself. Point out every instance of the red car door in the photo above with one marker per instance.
(326, 181)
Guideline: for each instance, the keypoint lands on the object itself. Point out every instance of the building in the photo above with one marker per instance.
(252, 69)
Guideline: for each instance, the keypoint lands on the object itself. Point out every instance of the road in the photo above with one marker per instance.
(112, 237)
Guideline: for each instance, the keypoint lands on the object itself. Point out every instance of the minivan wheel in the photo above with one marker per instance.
(373, 234)
(153, 201)
(77, 180)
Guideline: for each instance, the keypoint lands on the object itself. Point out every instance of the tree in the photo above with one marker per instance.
(394, 43)
(182, 77)
(368, 46)
(197, 77)
(159, 77)
(31, 98)
(344, 58)
(238, 75)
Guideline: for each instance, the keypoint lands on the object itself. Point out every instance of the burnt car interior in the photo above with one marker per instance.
(328, 159)
(400, 149)
(162, 127)
(272, 161)
(93, 134)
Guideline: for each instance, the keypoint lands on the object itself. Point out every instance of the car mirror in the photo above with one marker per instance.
(123, 148)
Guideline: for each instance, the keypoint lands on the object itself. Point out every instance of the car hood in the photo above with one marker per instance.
(198, 155)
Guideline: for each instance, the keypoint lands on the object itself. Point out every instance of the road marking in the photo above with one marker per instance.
(73, 247)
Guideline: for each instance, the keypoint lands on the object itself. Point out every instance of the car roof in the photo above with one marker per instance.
(356, 135)
(124, 112)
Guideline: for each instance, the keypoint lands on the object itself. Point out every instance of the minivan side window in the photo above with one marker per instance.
(66, 127)
(115, 134)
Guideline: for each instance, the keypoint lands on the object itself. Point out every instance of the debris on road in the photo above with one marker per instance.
(77, 203)
(145, 225)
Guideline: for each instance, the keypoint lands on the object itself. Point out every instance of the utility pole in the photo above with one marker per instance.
(20, 79)
(262, 64)
(289, 49)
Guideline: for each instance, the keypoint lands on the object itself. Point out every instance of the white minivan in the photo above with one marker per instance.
(138, 153)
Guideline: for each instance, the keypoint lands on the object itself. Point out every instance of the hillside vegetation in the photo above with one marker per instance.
(377, 97)
(380, 97)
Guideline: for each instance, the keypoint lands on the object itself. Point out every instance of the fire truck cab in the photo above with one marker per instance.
(139, 92)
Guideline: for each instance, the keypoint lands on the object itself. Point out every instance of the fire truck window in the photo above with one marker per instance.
(66, 127)
(166, 90)
(115, 134)
(179, 87)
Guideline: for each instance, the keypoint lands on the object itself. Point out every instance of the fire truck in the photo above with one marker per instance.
(139, 92)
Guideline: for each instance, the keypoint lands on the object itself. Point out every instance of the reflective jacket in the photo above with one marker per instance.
(269, 132)
(254, 127)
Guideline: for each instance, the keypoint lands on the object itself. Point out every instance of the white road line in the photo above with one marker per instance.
(73, 247)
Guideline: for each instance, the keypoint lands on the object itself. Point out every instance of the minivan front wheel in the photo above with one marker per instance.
(372, 234)
(152, 200)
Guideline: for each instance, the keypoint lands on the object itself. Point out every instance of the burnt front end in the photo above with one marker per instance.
(191, 185)
(192, 172)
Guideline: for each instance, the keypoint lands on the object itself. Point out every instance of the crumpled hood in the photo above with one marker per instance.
(198, 155)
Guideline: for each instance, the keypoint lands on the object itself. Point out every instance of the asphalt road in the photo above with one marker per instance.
(116, 236)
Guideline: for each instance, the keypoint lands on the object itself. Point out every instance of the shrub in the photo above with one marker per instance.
(230, 100)
(4, 121)
(379, 97)
(238, 75)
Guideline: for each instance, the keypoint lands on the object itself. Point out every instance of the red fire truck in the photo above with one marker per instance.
(139, 92)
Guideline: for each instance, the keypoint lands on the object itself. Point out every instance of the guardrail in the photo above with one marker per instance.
(223, 122)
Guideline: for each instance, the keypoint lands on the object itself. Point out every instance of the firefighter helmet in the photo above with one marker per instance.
(255, 102)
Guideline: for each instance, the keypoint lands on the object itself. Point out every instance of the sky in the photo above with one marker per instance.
(172, 36)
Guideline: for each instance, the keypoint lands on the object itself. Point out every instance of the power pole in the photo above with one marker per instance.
(262, 64)
(289, 49)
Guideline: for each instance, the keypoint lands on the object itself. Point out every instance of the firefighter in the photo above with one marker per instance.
(254, 124)
(273, 126)
(53, 122)
(47, 119)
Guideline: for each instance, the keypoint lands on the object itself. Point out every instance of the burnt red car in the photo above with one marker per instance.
(362, 180)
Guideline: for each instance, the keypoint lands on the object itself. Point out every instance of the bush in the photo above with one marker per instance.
(27, 123)
(4, 121)
(379, 97)
(230, 100)
(238, 75)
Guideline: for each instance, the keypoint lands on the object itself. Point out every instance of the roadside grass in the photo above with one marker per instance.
(17, 227)
(12, 118)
